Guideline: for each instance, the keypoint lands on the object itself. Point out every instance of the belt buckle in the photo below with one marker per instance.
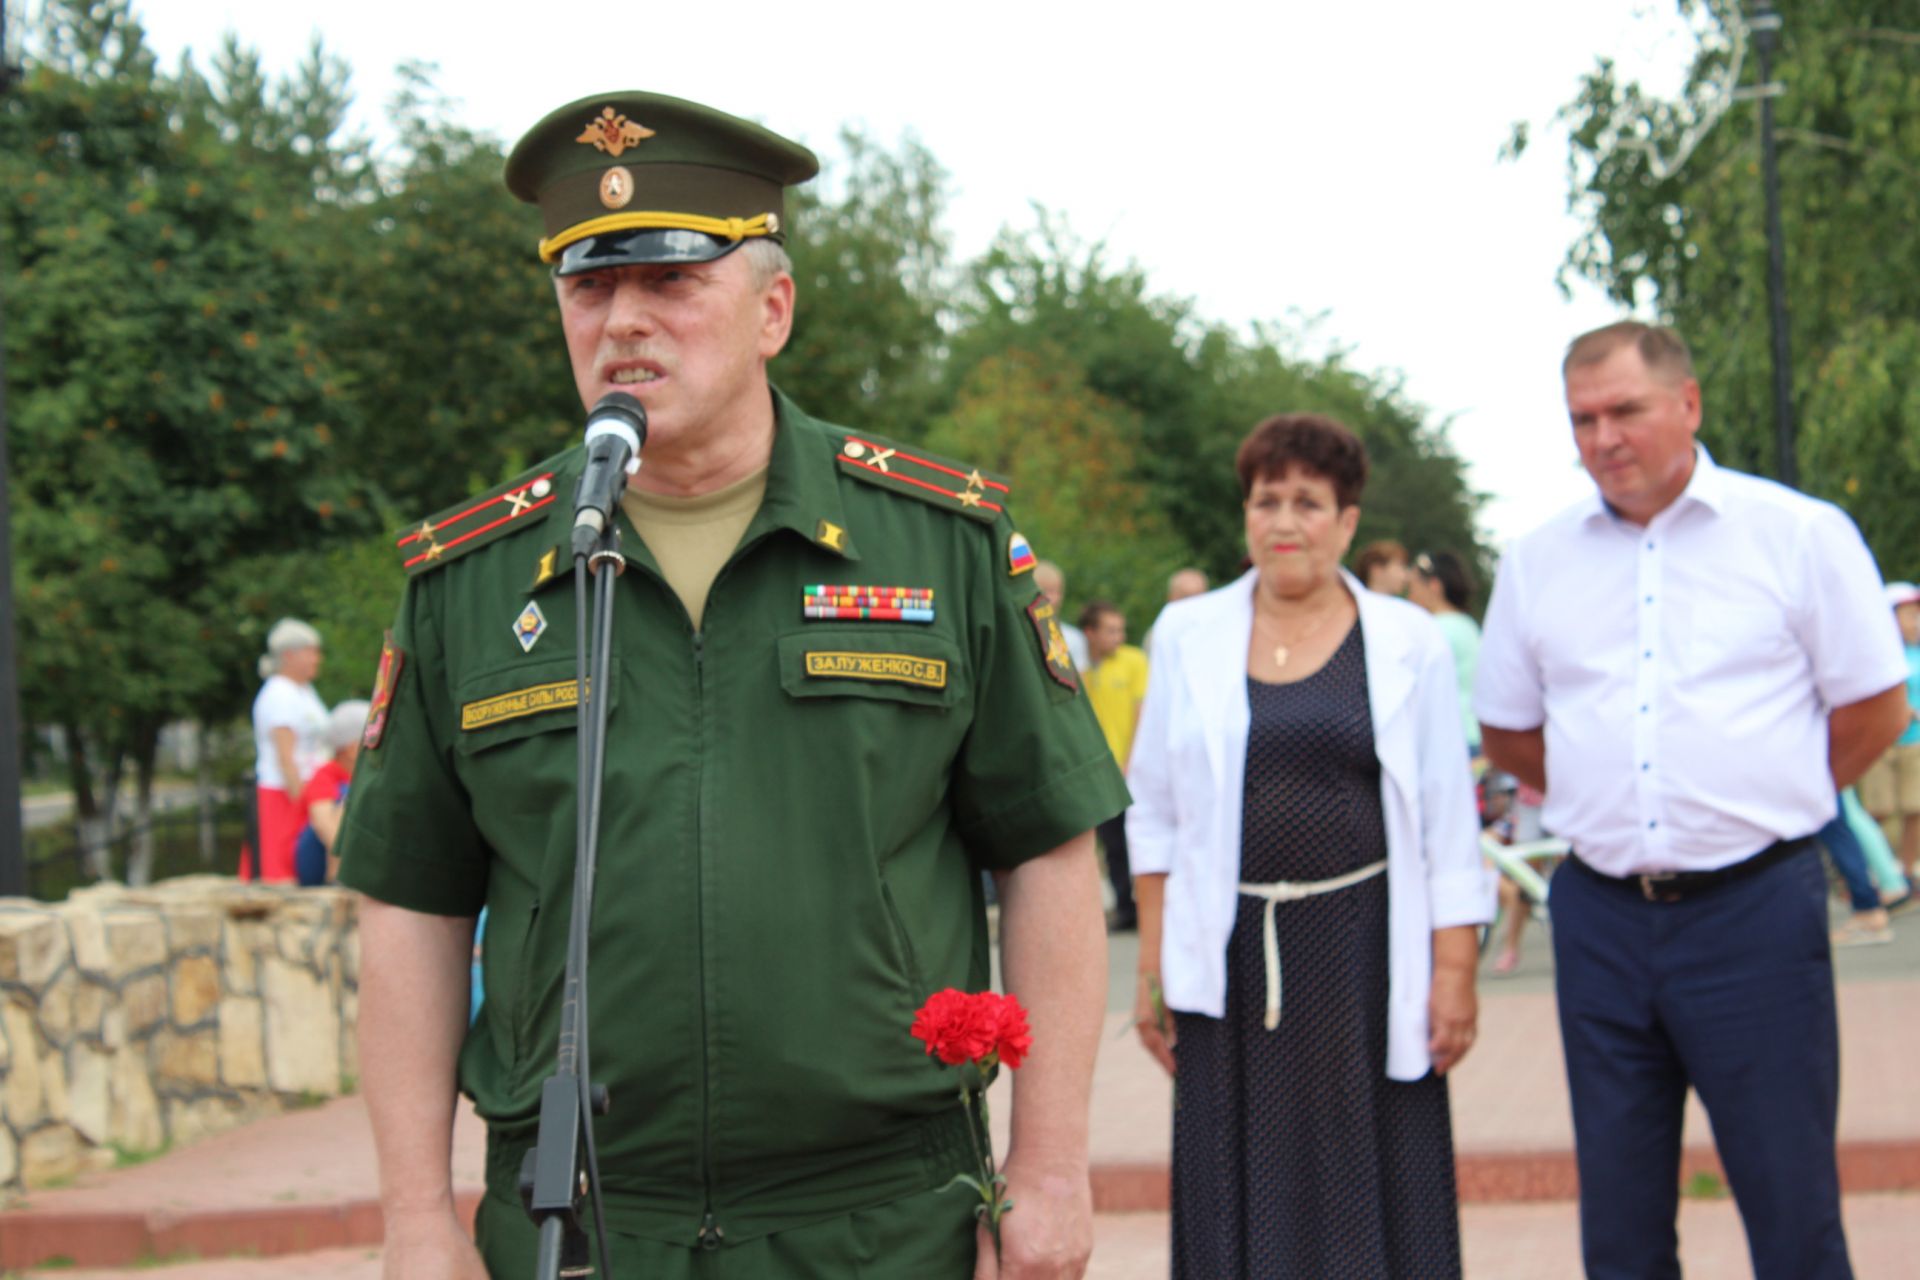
(1647, 882)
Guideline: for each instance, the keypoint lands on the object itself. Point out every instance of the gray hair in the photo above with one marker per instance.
(346, 722)
(768, 258)
(287, 635)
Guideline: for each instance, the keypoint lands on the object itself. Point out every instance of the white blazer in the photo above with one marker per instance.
(1189, 769)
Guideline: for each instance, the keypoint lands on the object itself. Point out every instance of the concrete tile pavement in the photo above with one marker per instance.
(1499, 1242)
(1513, 1125)
(304, 1184)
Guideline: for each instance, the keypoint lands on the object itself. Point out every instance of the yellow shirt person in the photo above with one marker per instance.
(1116, 685)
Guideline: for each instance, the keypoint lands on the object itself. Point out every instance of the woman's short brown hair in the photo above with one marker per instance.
(1312, 442)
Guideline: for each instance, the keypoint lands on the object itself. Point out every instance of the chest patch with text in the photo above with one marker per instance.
(893, 668)
(558, 695)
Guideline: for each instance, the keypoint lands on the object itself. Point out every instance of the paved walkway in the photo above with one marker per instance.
(297, 1191)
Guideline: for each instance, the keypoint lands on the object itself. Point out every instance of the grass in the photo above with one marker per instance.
(1705, 1185)
(127, 1157)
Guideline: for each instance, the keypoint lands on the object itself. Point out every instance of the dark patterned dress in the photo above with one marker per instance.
(1293, 1153)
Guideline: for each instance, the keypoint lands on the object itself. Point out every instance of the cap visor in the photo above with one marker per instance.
(635, 248)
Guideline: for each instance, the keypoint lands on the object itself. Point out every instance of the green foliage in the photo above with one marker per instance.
(436, 306)
(242, 347)
(869, 261)
(125, 1157)
(1076, 493)
(169, 404)
(1705, 1185)
(1693, 243)
(1196, 389)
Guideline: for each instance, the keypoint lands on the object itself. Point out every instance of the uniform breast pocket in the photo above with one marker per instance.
(517, 702)
(913, 668)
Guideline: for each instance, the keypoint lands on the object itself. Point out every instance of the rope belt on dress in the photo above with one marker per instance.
(1293, 891)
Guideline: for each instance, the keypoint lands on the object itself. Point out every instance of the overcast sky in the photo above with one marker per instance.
(1266, 161)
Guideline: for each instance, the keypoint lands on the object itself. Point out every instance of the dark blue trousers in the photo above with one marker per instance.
(1729, 991)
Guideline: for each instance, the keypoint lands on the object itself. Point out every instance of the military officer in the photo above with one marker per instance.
(836, 695)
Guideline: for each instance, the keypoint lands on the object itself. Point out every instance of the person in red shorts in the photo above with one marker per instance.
(324, 797)
(289, 727)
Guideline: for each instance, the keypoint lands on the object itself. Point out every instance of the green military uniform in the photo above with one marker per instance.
(796, 810)
(800, 793)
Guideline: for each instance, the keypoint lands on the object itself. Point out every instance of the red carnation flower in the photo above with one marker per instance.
(978, 1030)
(1012, 1040)
(958, 1027)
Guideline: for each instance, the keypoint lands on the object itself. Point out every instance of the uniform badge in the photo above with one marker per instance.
(862, 602)
(385, 681)
(831, 536)
(616, 187)
(1054, 654)
(529, 626)
(547, 569)
(1019, 555)
(613, 133)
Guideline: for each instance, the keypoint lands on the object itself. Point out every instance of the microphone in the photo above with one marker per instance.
(616, 428)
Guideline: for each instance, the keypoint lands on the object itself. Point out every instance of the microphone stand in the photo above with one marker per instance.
(564, 1166)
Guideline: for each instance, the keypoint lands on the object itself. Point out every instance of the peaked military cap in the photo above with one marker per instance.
(624, 178)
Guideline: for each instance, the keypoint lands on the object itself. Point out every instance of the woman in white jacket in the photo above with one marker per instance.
(1307, 867)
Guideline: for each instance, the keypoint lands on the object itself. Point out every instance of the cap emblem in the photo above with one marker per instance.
(616, 187)
(613, 133)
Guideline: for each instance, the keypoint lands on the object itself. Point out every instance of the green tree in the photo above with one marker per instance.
(171, 412)
(440, 317)
(1076, 492)
(1195, 389)
(870, 266)
(1671, 191)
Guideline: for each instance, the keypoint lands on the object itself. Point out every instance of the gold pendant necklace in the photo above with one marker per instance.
(1281, 652)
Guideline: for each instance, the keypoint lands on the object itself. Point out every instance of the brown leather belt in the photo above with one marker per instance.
(1672, 886)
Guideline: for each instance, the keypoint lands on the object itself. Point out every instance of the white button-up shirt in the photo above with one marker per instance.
(1684, 670)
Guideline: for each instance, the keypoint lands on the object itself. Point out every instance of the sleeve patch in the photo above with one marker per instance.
(1054, 654)
(385, 680)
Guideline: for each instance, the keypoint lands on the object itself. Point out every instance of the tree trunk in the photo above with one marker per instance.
(203, 791)
(140, 851)
(91, 827)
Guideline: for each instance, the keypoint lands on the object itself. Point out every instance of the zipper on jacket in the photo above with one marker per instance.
(710, 1233)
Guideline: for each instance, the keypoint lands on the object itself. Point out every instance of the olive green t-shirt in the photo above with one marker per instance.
(691, 538)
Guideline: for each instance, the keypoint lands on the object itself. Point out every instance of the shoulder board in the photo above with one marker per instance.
(940, 481)
(474, 523)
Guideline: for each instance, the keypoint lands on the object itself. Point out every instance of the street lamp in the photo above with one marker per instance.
(1765, 26)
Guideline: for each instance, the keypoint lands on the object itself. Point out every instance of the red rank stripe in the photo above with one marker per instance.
(451, 543)
(895, 475)
(931, 466)
(477, 508)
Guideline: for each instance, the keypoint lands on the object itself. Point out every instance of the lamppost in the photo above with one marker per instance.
(13, 853)
(1765, 26)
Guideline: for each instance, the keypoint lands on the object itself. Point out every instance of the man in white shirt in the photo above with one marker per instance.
(1687, 664)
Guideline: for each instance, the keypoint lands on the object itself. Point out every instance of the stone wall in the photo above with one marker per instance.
(136, 1019)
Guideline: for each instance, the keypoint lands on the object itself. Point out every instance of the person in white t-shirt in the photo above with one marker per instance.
(289, 736)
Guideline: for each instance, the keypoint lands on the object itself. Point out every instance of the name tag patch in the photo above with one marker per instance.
(559, 695)
(897, 668)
